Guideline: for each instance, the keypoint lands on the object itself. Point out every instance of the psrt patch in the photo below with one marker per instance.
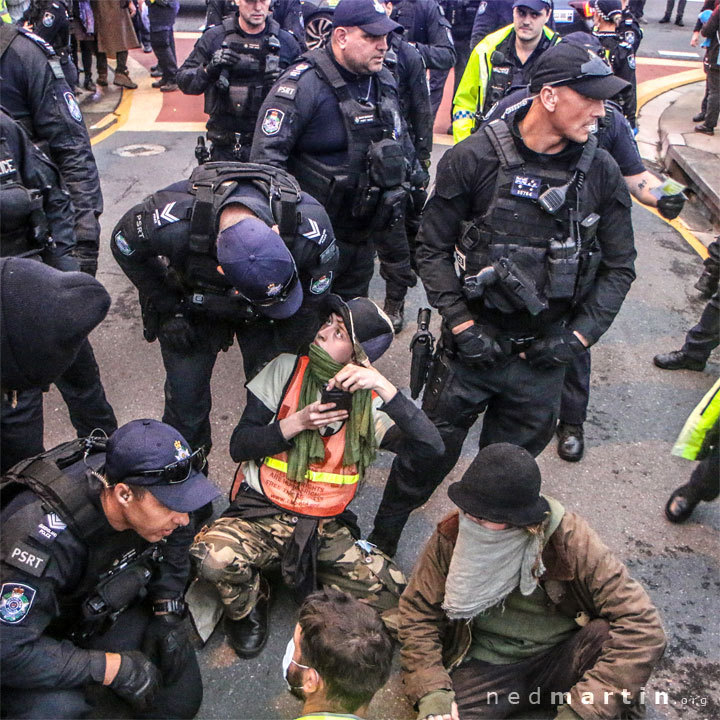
(16, 599)
(73, 107)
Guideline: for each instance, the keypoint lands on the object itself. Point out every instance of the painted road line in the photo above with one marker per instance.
(121, 114)
(677, 54)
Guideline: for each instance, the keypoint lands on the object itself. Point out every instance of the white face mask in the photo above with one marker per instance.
(288, 660)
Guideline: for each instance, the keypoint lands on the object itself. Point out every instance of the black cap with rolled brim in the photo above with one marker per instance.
(370, 329)
(579, 68)
(502, 484)
(368, 15)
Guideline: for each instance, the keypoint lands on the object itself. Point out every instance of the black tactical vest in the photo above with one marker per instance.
(58, 477)
(366, 186)
(556, 253)
(239, 91)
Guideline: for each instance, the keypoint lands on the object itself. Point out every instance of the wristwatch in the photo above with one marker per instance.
(165, 607)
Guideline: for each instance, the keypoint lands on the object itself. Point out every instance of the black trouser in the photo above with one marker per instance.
(84, 395)
(439, 77)
(576, 391)
(182, 699)
(355, 265)
(704, 483)
(188, 398)
(712, 261)
(483, 690)
(712, 92)
(162, 42)
(521, 407)
(637, 8)
(702, 339)
(680, 9)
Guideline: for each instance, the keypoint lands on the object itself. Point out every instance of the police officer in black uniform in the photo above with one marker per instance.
(234, 65)
(270, 292)
(334, 121)
(629, 29)
(408, 68)
(50, 21)
(94, 567)
(37, 221)
(287, 13)
(491, 15)
(537, 222)
(35, 94)
(618, 52)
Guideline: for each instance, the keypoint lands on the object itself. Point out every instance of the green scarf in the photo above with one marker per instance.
(360, 443)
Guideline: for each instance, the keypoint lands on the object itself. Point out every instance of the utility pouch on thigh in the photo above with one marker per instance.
(437, 379)
(366, 202)
(390, 209)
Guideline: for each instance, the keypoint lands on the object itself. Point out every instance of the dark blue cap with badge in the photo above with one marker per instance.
(156, 456)
(536, 5)
(368, 15)
(607, 9)
(257, 262)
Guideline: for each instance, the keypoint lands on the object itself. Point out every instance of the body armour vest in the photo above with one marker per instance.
(539, 254)
(23, 226)
(239, 91)
(58, 477)
(360, 193)
(329, 485)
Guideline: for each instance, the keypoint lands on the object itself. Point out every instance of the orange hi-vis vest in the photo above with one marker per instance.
(329, 486)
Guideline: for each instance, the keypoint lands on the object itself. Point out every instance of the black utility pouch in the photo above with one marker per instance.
(563, 262)
(386, 163)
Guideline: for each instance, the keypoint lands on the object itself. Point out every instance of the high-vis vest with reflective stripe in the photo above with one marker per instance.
(329, 485)
(4, 14)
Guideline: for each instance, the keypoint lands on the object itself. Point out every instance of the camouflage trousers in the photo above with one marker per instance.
(232, 552)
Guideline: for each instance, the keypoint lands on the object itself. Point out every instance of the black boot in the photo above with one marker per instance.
(678, 360)
(665, 19)
(395, 310)
(571, 442)
(707, 284)
(247, 637)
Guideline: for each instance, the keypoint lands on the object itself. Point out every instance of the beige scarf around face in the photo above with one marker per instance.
(487, 565)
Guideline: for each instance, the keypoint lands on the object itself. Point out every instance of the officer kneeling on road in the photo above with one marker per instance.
(237, 249)
(310, 430)
(526, 248)
(94, 567)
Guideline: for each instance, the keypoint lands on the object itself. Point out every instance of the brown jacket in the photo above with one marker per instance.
(583, 579)
(113, 26)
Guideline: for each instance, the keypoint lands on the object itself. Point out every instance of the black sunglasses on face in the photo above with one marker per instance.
(177, 472)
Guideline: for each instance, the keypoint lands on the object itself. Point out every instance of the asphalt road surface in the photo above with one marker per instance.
(621, 485)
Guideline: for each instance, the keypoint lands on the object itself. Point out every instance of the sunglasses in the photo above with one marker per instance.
(280, 297)
(176, 472)
(594, 67)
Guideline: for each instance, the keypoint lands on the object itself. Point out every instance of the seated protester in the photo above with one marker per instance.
(338, 658)
(94, 566)
(516, 603)
(304, 447)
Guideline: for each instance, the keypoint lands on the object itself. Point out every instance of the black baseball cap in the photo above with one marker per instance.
(607, 8)
(370, 329)
(368, 15)
(579, 68)
(156, 456)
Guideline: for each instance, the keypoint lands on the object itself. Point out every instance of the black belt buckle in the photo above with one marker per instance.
(518, 345)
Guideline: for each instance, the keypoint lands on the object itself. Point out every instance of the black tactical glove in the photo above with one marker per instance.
(670, 206)
(399, 273)
(177, 333)
(137, 681)
(477, 348)
(167, 644)
(555, 350)
(225, 57)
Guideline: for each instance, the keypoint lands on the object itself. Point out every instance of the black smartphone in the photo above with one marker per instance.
(341, 398)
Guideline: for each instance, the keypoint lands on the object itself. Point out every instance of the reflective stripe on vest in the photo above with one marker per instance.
(329, 486)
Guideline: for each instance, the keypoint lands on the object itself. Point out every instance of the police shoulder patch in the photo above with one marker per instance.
(319, 285)
(286, 91)
(48, 529)
(272, 122)
(482, 7)
(631, 61)
(48, 19)
(28, 559)
(73, 107)
(122, 244)
(16, 599)
(298, 70)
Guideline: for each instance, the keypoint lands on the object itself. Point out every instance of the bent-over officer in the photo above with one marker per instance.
(234, 65)
(526, 248)
(334, 121)
(247, 254)
(94, 567)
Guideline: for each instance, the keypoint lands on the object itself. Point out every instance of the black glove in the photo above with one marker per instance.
(477, 348)
(225, 57)
(399, 273)
(670, 206)
(137, 681)
(555, 350)
(167, 644)
(177, 333)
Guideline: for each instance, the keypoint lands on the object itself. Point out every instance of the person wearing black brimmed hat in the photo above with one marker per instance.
(536, 220)
(502, 62)
(249, 256)
(94, 568)
(515, 603)
(309, 432)
(334, 121)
